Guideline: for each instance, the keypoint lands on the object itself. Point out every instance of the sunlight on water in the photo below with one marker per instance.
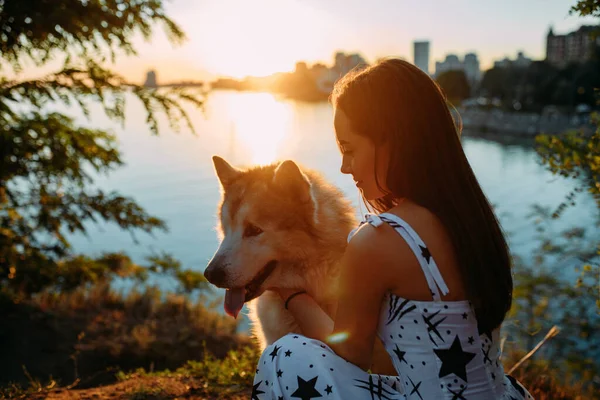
(260, 124)
(172, 176)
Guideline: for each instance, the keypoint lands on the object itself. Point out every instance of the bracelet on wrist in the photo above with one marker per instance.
(292, 296)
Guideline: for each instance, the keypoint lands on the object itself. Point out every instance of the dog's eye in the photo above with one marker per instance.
(252, 230)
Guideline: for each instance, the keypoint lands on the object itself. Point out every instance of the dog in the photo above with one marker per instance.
(279, 226)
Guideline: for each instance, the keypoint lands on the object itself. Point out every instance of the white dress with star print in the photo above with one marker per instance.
(435, 347)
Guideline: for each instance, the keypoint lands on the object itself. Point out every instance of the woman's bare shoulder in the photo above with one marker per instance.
(382, 254)
(437, 238)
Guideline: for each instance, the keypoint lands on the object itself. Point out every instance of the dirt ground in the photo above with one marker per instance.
(148, 388)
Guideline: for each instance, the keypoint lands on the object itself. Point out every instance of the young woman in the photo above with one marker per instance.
(429, 273)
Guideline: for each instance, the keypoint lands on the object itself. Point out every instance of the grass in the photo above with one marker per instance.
(208, 378)
(231, 378)
(98, 344)
(87, 335)
(546, 379)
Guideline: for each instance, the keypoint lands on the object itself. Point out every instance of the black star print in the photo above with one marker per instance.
(288, 353)
(328, 389)
(433, 327)
(471, 340)
(378, 390)
(273, 354)
(396, 311)
(400, 354)
(425, 253)
(454, 360)
(465, 315)
(458, 395)
(415, 388)
(279, 373)
(256, 392)
(486, 356)
(280, 398)
(306, 389)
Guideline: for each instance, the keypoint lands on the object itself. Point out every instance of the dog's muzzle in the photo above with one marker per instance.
(216, 273)
(235, 297)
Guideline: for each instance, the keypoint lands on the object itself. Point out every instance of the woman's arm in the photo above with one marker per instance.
(363, 283)
(315, 323)
(364, 280)
(311, 318)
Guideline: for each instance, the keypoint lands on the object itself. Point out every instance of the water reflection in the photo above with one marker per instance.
(259, 126)
(172, 175)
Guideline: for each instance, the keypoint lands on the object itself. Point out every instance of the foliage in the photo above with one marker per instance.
(587, 7)
(542, 84)
(577, 155)
(85, 334)
(455, 85)
(548, 293)
(48, 163)
(222, 376)
(574, 155)
(237, 368)
(39, 30)
(543, 296)
(545, 381)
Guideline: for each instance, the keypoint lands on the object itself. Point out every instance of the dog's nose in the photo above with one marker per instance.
(216, 275)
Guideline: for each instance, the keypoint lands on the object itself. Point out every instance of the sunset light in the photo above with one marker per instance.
(260, 124)
(258, 39)
(178, 191)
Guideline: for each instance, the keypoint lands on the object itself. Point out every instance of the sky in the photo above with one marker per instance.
(259, 37)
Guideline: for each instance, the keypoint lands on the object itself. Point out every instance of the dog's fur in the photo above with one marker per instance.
(305, 223)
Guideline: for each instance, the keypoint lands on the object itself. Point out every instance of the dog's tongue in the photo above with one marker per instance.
(234, 301)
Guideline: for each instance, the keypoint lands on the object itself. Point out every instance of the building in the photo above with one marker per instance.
(521, 61)
(573, 47)
(421, 55)
(344, 63)
(451, 63)
(471, 68)
(504, 63)
(151, 79)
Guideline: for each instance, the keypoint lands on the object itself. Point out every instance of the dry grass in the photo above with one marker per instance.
(86, 337)
(89, 335)
(210, 378)
(545, 379)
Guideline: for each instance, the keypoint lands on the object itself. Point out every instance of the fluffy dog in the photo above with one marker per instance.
(279, 226)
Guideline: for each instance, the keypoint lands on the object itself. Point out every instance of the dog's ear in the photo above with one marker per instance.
(289, 178)
(225, 172)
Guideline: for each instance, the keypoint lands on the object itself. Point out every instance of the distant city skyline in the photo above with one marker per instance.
(240, 38)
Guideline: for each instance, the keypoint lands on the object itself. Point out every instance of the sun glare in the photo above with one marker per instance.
(337, 337)
(260, 125)
(259, 38)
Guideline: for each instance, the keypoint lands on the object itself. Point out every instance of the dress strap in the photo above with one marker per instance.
(418, 247)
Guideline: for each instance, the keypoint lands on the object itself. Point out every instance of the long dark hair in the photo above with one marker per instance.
(401, 109)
